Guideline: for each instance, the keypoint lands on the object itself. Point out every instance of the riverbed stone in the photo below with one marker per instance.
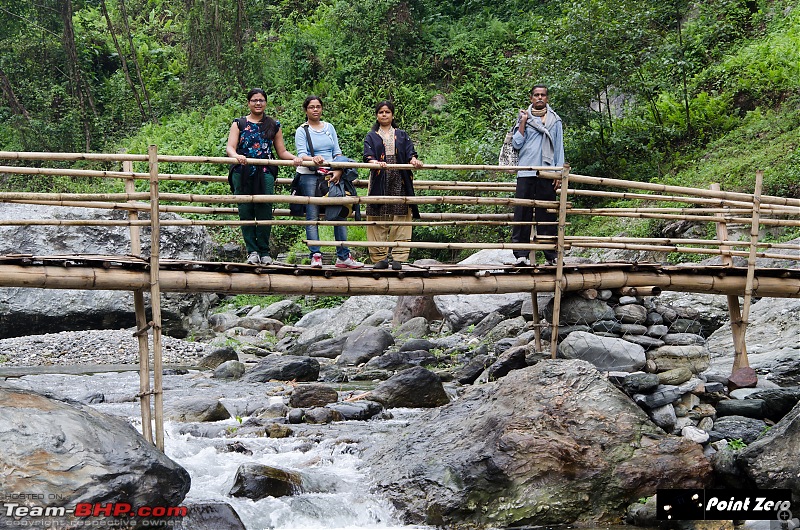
(258, 481)
(208, 516)
(742, 378)
(676, 376)
(217, 357)
(400, 360)
(312, 395)
(750, 408)
(414, 387)
(66, 450)
(631, 314)
(605, 353)
(414, 328)
(283, 368)
(777, 402)
(230, 370)
(577, 310)
(737, 428)
(682, 339)
(363, 344)
(693, 357)
(503, 444)
(409, 307)
(511, 359)
(648, 343)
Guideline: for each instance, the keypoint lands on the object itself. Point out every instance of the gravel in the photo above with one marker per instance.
(92, 347)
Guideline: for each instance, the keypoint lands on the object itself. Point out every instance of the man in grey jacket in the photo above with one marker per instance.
(539, 137)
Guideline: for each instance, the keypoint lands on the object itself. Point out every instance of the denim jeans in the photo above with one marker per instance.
(308, 187)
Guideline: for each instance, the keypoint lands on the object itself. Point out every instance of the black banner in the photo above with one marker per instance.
(723, 504)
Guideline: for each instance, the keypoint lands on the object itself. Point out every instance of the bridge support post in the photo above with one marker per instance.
(141, 318)
(559, 286)
(155, 298)
(734, 309)
(751, 260)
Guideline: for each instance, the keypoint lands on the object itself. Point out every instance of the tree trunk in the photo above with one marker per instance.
(79, 89)
(122, 59)
(13, 103)
(135, 56)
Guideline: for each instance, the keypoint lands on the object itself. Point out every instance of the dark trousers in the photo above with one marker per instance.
(256, 238)
(538, 189)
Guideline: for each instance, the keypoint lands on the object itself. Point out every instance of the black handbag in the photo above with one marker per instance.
(296, 209)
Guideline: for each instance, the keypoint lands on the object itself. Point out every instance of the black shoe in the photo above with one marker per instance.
(550, 262)
(382, 264)
(397, 265)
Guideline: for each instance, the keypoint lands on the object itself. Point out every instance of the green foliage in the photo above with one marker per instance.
(736, 444)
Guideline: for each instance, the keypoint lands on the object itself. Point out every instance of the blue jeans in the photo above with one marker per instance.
(308, 187)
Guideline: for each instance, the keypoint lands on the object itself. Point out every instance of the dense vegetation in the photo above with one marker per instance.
(675, 91)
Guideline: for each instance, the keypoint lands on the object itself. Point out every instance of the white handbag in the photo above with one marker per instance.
(508, 155)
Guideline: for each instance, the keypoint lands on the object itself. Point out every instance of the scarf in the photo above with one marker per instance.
(550, 118)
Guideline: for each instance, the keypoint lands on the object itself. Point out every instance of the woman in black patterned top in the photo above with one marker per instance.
(387, 144)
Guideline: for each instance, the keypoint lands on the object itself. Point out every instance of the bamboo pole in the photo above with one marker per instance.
(427, 244)
(713, 280)
(734, 310)
(105, 157)
(155, 300)
(751, 263)
(141, 320)
(562, 219)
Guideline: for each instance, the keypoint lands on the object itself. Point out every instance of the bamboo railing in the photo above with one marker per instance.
(718, 208)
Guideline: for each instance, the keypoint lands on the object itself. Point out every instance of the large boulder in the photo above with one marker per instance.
(552, 443)
(771, 461)
(772, 345)
(283, 368)
(25, 311)
(606, 353)
(58, 450)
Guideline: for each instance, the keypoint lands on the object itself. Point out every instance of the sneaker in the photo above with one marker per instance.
(348, 263)
(266, 260)
(316, 261)
(522, 261)
(253, 259)
(397, 265)
(382, 264)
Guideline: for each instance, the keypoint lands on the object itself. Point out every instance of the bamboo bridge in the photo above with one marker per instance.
(488, 186)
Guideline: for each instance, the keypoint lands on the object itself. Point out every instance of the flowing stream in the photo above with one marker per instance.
(336, 492)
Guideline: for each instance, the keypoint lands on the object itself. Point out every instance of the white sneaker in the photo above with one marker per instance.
(266, 260)
(348, 263)
(522, 262)
(253, 259)
(316, 261)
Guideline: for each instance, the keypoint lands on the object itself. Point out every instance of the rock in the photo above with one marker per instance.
(772, 345)
(639, 514)
(417, 344)
(217, 357)
(686, 403)
(415, 387)
(662, 395)
(402, 360)
(777, 402)
(363, 344)
(639, 382)
(322, 415)
(607, 326)
(676, 376)
(695, 358)
(462, 310)
(630, 314)
(742, 378)
(507, 329)
(283, 368)
(313, 395)
(272, 411)
(220, 322)
(511, 359)
(470, 372)
(632, 329)
(488, 323)
(230, 370)
(771, 462)
(73, 452)
(605, 353)
(256, 481)
(656, 331)
(648, 343)
(285, 310)
(682, 339)
(664, 417)
(505, 444)
(577, 310)
(685, 325)
(357, 410)
(25, 311)
(729, 428)
(261, 324)
(655, 319)
(415, 328)
(695, 434)
(750, 408)
(208, 516)
(278, 430)
(409, 307)
(327, 348)
(196, 409)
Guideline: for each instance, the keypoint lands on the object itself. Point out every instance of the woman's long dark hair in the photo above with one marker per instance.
(267, 126)
(390, 106)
